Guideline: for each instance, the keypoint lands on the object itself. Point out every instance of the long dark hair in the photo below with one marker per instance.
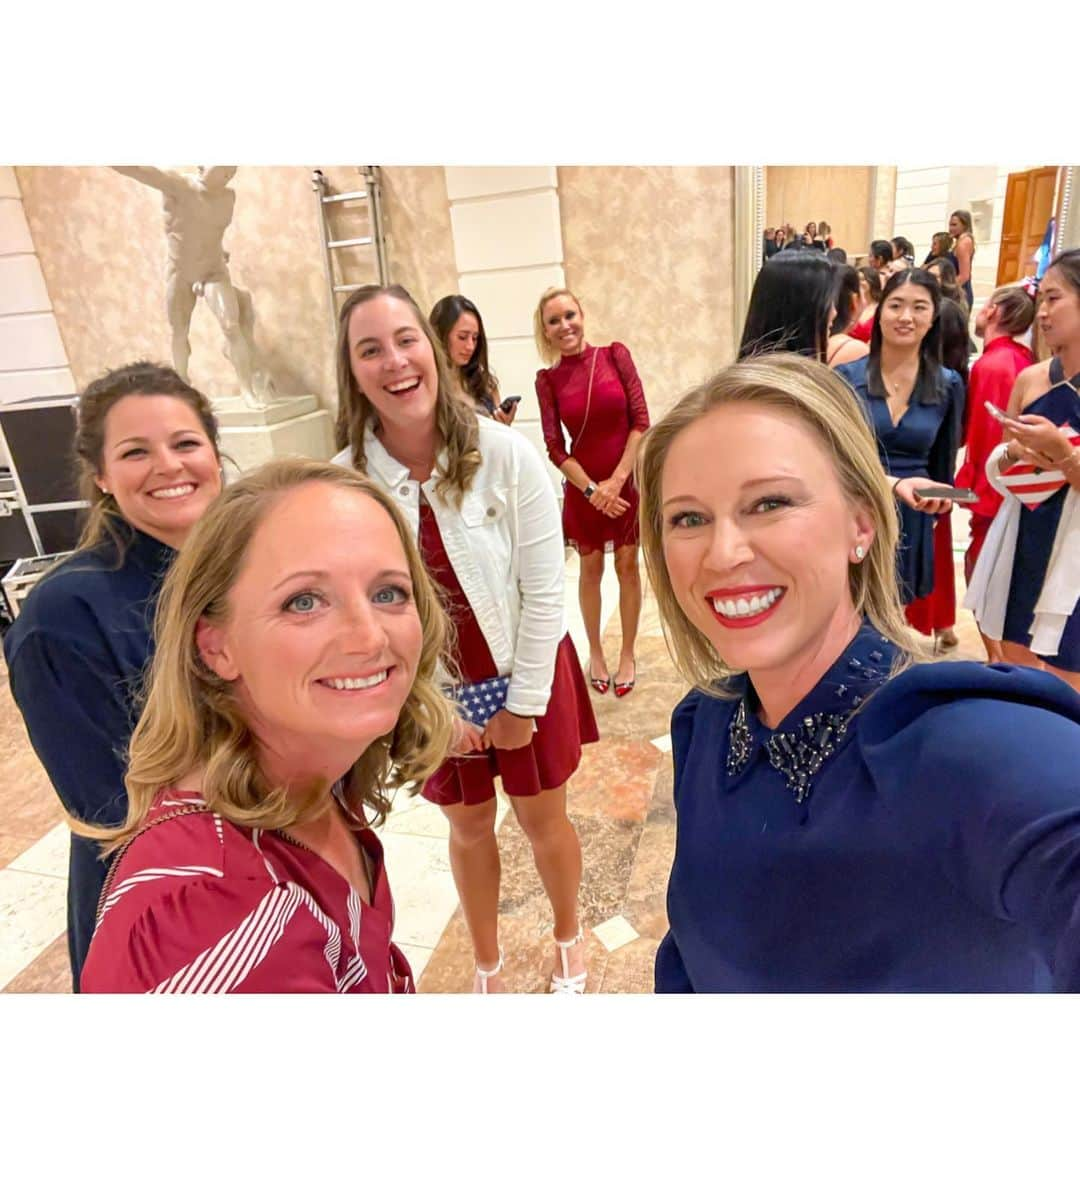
(928, 389)
(476, 378)
(789, 306)
(845, 289)
(1067, 264)
(944, 271)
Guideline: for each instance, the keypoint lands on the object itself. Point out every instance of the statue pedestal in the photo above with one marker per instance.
(291, 426)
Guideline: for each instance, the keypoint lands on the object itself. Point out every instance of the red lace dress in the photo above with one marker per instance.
(599, 436)
(555, 750)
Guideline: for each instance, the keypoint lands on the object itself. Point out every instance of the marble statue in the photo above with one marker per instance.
(198, 210)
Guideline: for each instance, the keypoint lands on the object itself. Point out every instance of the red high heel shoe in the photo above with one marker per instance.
(599, 686)
(627, 686)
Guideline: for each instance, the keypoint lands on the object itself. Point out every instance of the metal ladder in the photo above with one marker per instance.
(375, 239)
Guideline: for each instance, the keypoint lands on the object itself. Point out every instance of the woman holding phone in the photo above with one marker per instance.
(1025, 590)
(460, 330)
(916, 406)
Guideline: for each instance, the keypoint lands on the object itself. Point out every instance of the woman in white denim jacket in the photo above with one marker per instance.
(479, 499)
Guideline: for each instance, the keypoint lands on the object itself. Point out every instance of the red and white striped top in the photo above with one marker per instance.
(1032, 485)
(198, 904)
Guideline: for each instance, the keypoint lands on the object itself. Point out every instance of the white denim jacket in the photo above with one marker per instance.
(506, 547)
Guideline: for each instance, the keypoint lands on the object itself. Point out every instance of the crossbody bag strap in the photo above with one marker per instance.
(588, 398)
(190, 809)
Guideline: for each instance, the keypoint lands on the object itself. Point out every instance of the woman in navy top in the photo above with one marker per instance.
(147, 447)
(850, 816)
(916, 409)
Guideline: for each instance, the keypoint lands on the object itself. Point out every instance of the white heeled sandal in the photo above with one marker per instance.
(484, 976)
(567, 984)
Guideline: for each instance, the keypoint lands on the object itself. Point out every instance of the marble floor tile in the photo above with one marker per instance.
(418, 868)
(49, 856)
(614, 779)
(49, 972)
(33, 913)
(629, 970)
(615, 933)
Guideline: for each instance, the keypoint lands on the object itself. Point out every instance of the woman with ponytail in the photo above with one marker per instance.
(146, 445)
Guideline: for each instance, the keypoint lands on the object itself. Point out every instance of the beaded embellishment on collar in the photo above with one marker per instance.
(800, 751)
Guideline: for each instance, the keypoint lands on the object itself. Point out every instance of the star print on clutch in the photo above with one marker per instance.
(482, 700)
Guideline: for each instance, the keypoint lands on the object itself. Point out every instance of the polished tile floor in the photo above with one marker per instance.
(619, 799)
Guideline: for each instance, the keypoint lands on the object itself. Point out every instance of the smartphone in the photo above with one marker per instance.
(508, 403)
(942, 491)
(999, 414)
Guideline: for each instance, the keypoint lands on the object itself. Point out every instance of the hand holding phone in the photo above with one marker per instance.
(508, 403)
(998, 413)
(942, 491)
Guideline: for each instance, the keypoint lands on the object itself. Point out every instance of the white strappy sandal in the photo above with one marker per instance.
(484, 976)
(567, 984)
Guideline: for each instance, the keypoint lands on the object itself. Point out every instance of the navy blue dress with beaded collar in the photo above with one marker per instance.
(907, 845)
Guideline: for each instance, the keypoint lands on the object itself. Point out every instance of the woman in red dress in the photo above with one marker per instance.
(294, 681)
(477, 496)
(596, 394)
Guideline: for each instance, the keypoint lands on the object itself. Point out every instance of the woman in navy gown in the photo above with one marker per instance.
(850, 816)
(1025, 589)
(916, 409)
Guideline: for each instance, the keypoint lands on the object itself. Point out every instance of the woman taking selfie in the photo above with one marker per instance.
(481, 503)
(460, 331)
(596, 393)
(1025, 589)
(147, 449)
(916, 407)
(849, 817)
(294, 681)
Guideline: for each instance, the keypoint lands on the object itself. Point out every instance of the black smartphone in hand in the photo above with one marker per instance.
(508, 403)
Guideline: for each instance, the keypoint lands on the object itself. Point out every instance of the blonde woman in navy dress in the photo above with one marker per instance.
(850, 816)
(1025, 589)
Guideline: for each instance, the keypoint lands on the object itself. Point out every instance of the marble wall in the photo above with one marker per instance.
(101, 244)
(649, 251)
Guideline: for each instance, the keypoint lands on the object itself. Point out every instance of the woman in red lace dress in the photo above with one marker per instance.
(596, 394)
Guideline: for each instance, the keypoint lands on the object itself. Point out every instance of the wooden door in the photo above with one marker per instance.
(1029, 205)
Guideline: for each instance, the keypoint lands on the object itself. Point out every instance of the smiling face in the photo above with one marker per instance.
(758, 537)
(1058, 313)
(393, 363)
(322, 637)
(907, 314)
(159, 465)
(564, 325)
(464, 337)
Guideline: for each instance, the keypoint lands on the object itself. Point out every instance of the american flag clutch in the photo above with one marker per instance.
(482, 700)
(1031, 485)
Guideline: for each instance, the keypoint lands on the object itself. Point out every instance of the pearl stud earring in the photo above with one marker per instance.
(860, 553)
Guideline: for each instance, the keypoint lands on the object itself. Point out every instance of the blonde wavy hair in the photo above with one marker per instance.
(455, 417)
(811, 392)
(191, 718)
(548, 352)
